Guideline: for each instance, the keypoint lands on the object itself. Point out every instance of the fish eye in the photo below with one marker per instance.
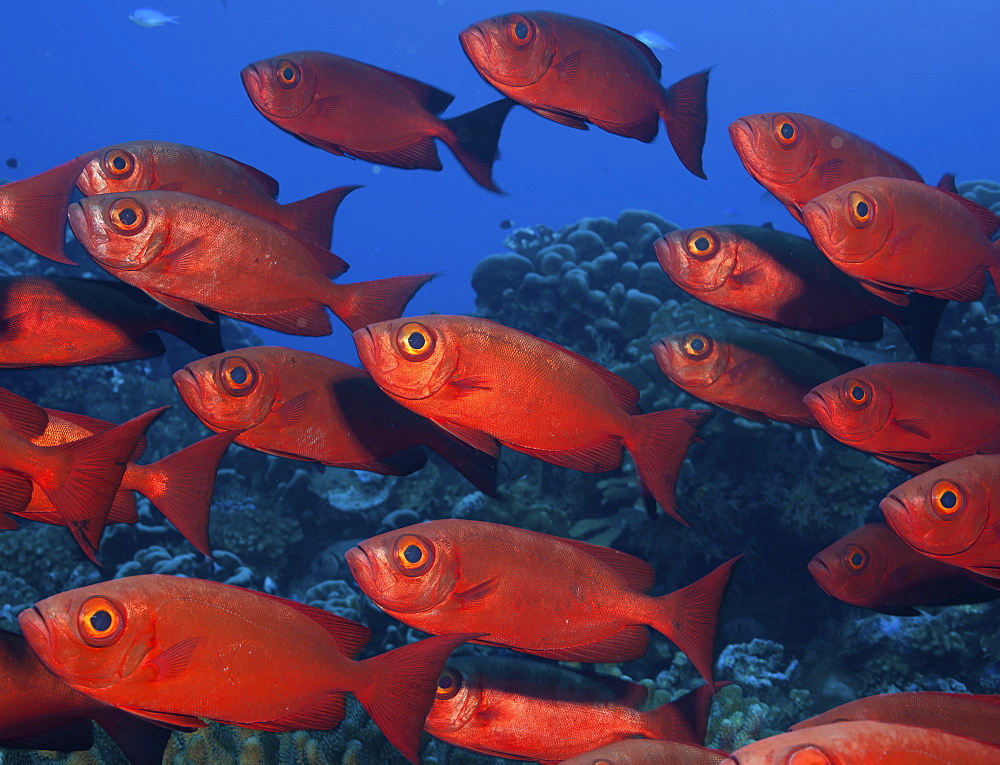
(855, 558)
(413, 555)
(288, 73)
(785, 130)
(237, 376)
(857, 393)
(702, 244)
(520, 30)
(126, 216)
(947, 499)
(118, 164)
(100, 621)
(448, 685)
(414, 341)
(860, 208)
(697, 346)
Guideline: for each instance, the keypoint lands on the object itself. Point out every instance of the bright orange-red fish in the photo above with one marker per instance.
(797, 157)
(951, 513)
(897, 236)
(873, 568)
(647, 751)
(578, 72)
(179, 650)
(488, 385)
(564, 600)
(914, 416)
(160, 165)
(39, 711)
(308, 407)
(188, 251)
(527, 710)
(54, 321)
(349, 107)
(863, 742)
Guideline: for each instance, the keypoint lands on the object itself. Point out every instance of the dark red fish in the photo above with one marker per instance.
(188, 251)
(54, 321)
(488, 385)
(574, 72)
(565, 599)
(647, 751)
(527, 710)
(776, 278)
(160, 165)
(349, 107)
(756, 375)
(797, 157)
(897, 236)
(873, 568)
(308, 407)
(914, 416)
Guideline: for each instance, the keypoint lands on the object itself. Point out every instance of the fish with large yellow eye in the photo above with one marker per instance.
(913, 416)
(897, 236)
(488, 385)
(756, 375)
(776, 278)
(950, 513)
(648, 751)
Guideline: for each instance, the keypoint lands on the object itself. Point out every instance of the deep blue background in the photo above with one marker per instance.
(918, 78)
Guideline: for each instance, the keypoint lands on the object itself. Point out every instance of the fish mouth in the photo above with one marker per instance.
(88, 182)
(474, 42)
(818, 405)
(819, 572)
(364, 341)
(252, 82)
(897, 515)
(360, 564)
(32, 623)
(89, 236)
(187, 383)
(817, 219)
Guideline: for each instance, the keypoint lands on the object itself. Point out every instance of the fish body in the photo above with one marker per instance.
(578, 72)
(188, 251)
(161, 165)
(151, 18)
(873, 568)
(753, 374)
(914, 416)
(797, 157)
(780, 279)
(351, 108)
(646, 751)
(565, 600)
(57, 321)
(308, 407)
(181, 650)
(526, 710)
(897, 236)
(488, 385)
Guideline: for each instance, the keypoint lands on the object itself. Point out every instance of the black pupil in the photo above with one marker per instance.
(701, 243)
(697, 345)
(128, 216)
(949, 499)
(862, 209)
(119, 163)
(446, 682)
(101, 621)
(416, 341)
(239, 375)
(856, 559)
(787, 131)
(287, 74)
(521, 30)
(413, 554)
(858, 393)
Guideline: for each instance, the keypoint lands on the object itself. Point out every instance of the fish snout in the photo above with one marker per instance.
(89, 236)
(252, 81)
(364, 341)
(36, 630)
(360, 565)
(817, 219)
(188, 384)
(896, 514)
(819, 571)
(475, 42)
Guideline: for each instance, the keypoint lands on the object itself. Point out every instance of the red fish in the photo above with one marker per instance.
(569, 600)
(574, 72)
(527, 710)
(913, 416)
(80, 479)
(963, 714)
(39, 711)
(797, 157)
(948, 513)
(33, 210)
(188, 251)
(59, 322)
(489, 385)
(349, 107)
(308, 407)
(775, 278)
(758, 376)
(646, 751)
(159, 165)
(863, 742)
(873, 568)
(890, 234)
(179, 651)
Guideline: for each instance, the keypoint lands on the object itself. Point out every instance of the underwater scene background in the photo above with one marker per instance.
(916, 79)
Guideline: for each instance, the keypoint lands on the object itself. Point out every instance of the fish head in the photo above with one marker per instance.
(457, 699)
(409, 358)
(851, 223)
(697, 259)
(777, 149)
(230, 391)
(282, 87)
(408, 571)
(853, 408)
(514, 50)
(691, 359)
(122, 232)
(853, 568)
(946, 510)
(123, 167)
(93, 637)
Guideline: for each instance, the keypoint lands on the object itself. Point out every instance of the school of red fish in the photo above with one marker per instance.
(181, 228)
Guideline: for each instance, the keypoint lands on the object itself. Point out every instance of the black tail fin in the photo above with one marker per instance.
(918, 322)
(474, 138)
(685, 116)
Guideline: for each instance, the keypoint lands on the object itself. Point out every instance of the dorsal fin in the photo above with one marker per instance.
(638, 574)
(642, 47)
(988, 220)
(268, 183)
(25, 416)
(625, 393)
(982, 376)
(434, 99)
(349, 636)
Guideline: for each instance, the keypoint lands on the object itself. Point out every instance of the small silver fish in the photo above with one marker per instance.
(150, 17)
(653, 39)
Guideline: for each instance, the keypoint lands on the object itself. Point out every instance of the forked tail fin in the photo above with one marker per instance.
(685, 115)
(364, 303)
(474, 139)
